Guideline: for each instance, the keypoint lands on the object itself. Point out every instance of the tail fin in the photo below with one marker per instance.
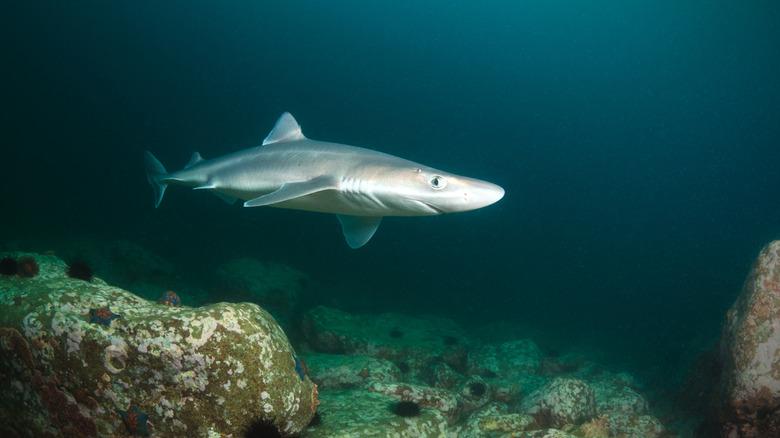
(155, 173)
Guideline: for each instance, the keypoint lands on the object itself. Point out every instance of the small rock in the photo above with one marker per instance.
(616, 398)
(349, 413)
(336, 371)
(493, 420)
(474, 392)
(562, 401)
(507, 360)
(440, 399)
(635, 426)
(445, 377)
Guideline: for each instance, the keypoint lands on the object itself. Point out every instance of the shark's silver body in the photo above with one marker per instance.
(359, 185)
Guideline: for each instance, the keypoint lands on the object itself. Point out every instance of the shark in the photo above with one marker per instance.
(360, 186)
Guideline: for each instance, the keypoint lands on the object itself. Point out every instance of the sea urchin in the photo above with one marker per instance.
(477, 389)
(261, 427)
(80, 270)
(8, 266)
(27, 267)
(406, 409)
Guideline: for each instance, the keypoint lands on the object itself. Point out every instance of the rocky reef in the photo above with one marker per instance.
(90, 359)
(87, 359)
(364, 364)
(749, 390)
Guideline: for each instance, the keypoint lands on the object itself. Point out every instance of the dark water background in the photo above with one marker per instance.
(638, 143)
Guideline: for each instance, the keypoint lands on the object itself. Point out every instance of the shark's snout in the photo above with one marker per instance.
(482, 193)
(466, 194)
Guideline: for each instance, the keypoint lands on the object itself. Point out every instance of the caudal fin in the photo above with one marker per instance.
(155, 173)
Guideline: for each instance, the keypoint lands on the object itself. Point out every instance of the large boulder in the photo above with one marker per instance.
(192, 371)
(750, 352)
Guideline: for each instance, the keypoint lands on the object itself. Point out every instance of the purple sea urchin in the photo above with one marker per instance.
(406, 409)
(80, 270)
(261, 427)
(477, 389)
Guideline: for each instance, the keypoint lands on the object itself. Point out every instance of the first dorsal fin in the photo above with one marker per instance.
(196, 158)
(286, 129)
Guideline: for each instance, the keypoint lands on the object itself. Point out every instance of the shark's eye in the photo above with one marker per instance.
(437, 182)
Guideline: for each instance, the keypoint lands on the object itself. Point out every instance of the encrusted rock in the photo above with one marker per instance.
(349, 413)
(493, 420)
(507, 360)
(634, 426)
(562, 401)
(445, 377)
(474, 392)
(617, 398)
(440, 399)
(337, 371)
(547, 433)
(511, 391)
(750, 351)
(597, 427)
(193, 371)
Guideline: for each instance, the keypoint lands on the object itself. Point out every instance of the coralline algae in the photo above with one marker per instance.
(194, 371)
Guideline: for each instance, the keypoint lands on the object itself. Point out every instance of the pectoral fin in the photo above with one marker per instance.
(294, 190)
(358, 230)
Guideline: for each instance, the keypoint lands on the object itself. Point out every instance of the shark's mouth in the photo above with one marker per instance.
(433, 208)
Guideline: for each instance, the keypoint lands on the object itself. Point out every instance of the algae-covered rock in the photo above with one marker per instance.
(510, 391)
(474, 392)
(634, 426)
(350, 413)
(493, 420)
(597, 427)
(440, 399)
(545, 433)
(337, 371)
(617, 398)
(507, 359)
(750, 353)
(562, 401)
(445, 377)
(193, 371)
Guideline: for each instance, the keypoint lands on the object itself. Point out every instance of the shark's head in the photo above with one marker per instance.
(424, 191)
